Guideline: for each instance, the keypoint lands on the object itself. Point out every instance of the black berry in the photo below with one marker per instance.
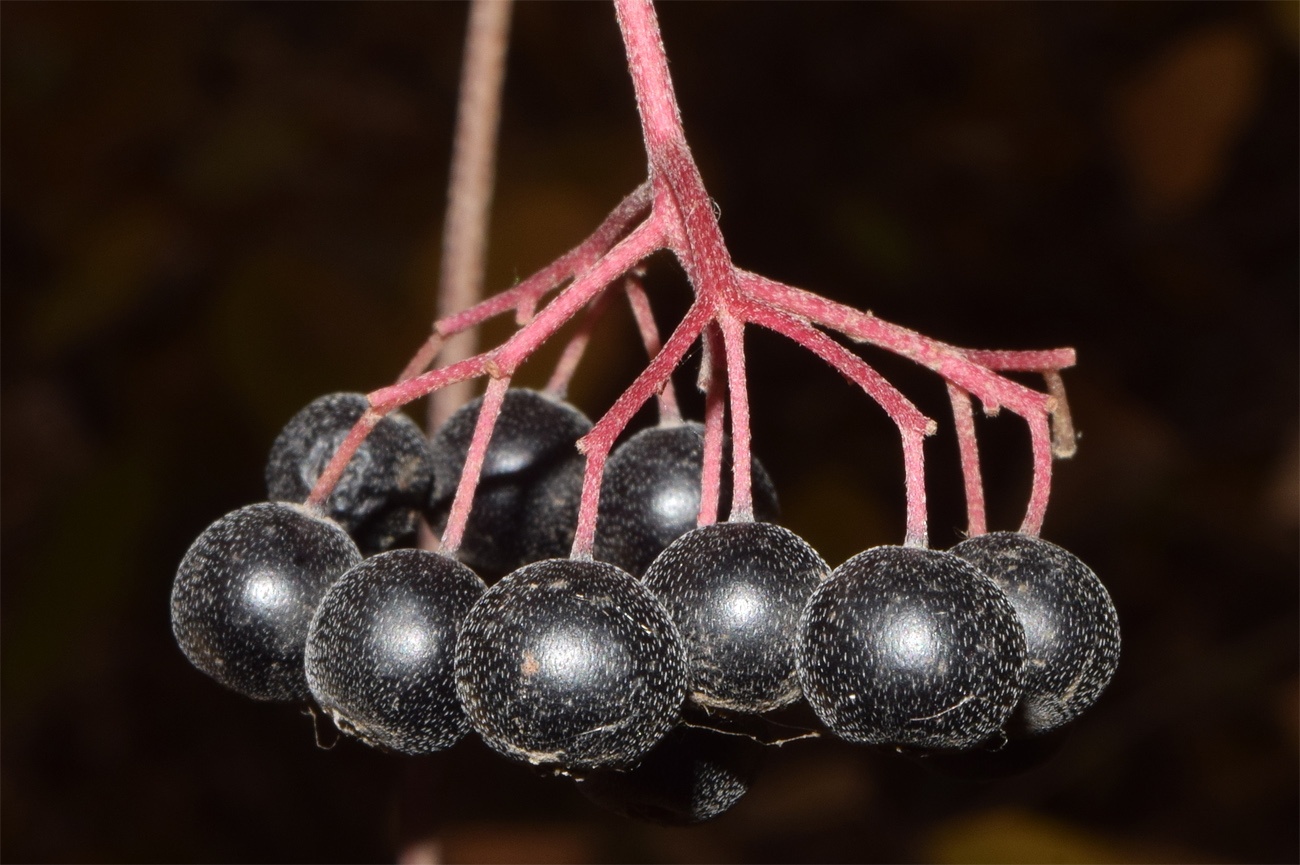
(911, 647)
(572, 664)
(526, 505)
(245, 593)
(694, 774)
(1071, 628)
(650, 494)
(384, 485)
(550, 512)
(381, 650)
(998, 758)
(735, 591)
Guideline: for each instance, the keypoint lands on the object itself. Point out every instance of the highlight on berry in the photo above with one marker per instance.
(623, 609)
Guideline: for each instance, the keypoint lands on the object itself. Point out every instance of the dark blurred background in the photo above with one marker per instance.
(213, 213)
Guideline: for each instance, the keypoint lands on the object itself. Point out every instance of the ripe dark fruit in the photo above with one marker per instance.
(692, 775)
(384, 485)
(550, 512)
(526, 505)
(735, 591)
(570, 664)
(650, 494)
(910, 647)
(1071, 628)
(381, 650)
(245, 593)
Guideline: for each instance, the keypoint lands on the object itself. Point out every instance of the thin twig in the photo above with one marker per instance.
(976, 521)
(567, 365)
(669, 413)
(597, 443)
(489, 410)
(713, 376)
(742, 499)
(913, 426)
(469, 193)
(1064, 440)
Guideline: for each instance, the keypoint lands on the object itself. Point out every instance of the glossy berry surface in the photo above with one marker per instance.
(735, 591)
(387, 481)
(1071, 627)
(911, 647)
(524, 507)
(381, 650)
(694, 774)
(650, 495)
(570, 663)
(245, 592)
(550, 512)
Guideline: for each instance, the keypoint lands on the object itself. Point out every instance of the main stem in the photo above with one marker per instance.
(672, 168)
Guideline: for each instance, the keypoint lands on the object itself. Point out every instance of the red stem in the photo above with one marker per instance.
(336, 466)
(597, 443)
(912, 425)
(420, 362)
(672, 169)
(644, 239)
(565, 367)
(573, 262)
(461, 504)
(976, 522)
(713, 378)
(669, 413)
(504, 359)
(948, 361)
(382, 402)
(742, 499)
(1022, 361)
(1041, 441)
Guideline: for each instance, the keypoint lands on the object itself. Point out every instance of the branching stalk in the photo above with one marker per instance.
(672, 211)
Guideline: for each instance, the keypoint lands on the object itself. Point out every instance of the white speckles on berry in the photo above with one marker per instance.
(910, 647)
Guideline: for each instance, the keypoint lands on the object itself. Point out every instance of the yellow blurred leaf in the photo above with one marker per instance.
(1286, 21)
(1011, 836)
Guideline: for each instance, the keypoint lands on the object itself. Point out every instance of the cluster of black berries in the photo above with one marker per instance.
(620, 671)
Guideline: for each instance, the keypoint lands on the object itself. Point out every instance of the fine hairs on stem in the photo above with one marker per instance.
(673, 211)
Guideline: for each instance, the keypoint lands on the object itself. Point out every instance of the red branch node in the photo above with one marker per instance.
(673, 211)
